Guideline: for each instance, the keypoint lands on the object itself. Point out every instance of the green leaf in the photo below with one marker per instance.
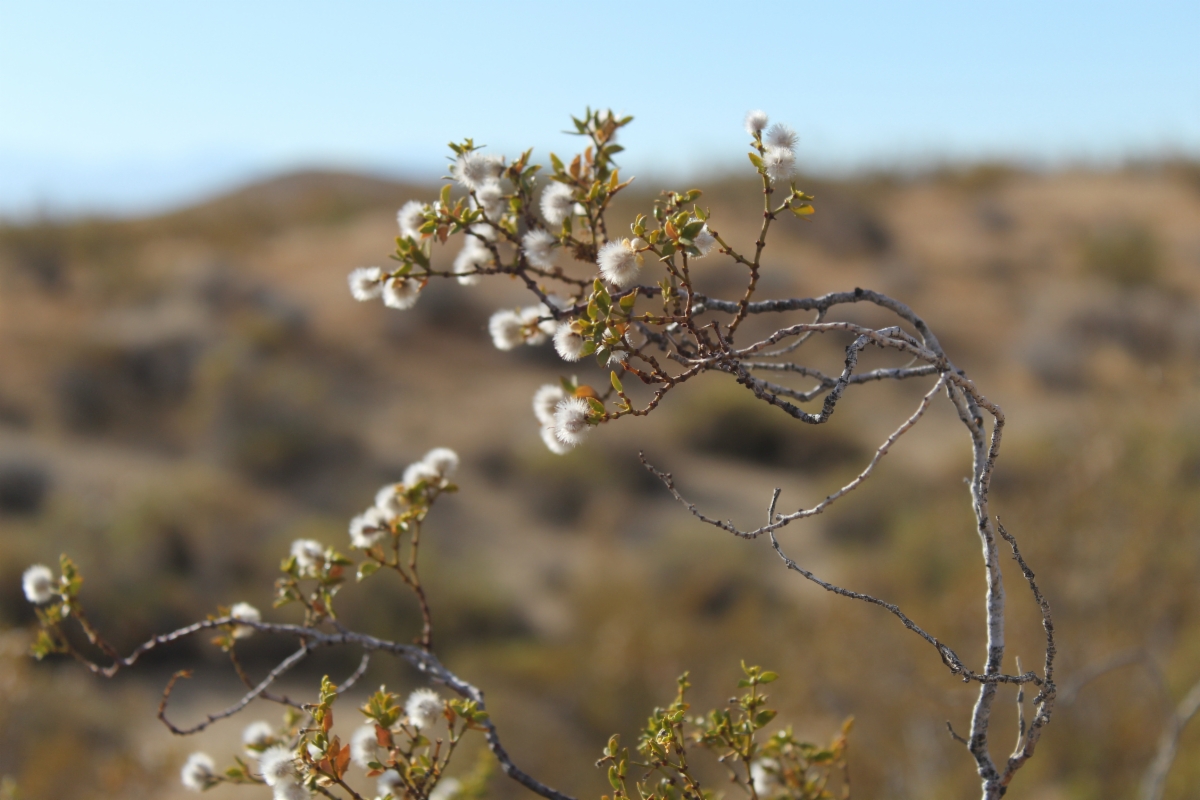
(556, 162)
(445, 196)
(763, 717)
(768, 677)
(755, 160)
(802, 211)
(596, 405)
(616, 382)
(366, 569)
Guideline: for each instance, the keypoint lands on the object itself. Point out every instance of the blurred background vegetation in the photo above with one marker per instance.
(182, 395)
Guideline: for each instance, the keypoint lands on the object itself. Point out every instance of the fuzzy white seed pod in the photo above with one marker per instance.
(756, 121)
(568, 343)
(278, 765)
(364, 746)
(473, 169)
(198, 773)
(39, 584)
(763, 775)
(779, 161)
(619, 263)
(491, 198)
(704, 241)
(442, 460)
(473, 256)
(507, 329)
(256, 737)
(365, 283)
(538, 246)
(246, 613)
(309, 554)
(545, 402)
(570, 420)
(446, 789)
(551, 441)
(401, 293)
(391, 783)
(639, 244)
(291, 791)
(368, 528)
(410, 218)
(558, 202)
(548, 324)
(780, 135)
(537, 329)
(389, 503)
(423, 708)
(419, 471)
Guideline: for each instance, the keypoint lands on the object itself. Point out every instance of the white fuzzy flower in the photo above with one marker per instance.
(247, 613)
(507, 329)
(365, 283)
(756, 121)
(474, 256)
(291, 791)
(39, 584)
(779, 162)
(309, 554)
(419, 471)
(401, 293)
(558, 202)
(423, 708)
(389, 503)
(568, 342)
(442, 460)
(538, 246)
(639, 244)
(704, 241)
(364, 746)
(570, 420)
(766, 782)
(473, 169)
(410, 218)
(546, 400)
(491, 198)
(446, 789)
(257, 736)
(390, 783)
(278, 765)
(619, 263)
(551, 441)
(537, 328)
(780, 135)
(198, 772)
(368, 527)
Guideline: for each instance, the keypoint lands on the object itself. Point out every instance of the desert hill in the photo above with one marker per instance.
(182, 395)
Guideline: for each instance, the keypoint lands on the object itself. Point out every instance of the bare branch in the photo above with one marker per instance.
(1155, 780)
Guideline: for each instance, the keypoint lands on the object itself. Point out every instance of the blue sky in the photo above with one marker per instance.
(122, 107)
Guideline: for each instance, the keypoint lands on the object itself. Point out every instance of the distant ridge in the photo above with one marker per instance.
(306, 197)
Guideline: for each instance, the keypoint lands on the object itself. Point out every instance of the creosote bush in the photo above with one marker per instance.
(631, 304)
